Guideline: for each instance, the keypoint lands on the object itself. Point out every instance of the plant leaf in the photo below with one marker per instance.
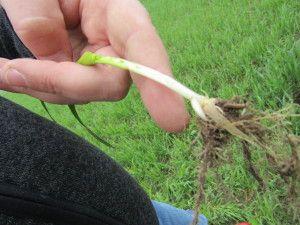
(47, 110)
(87, 59)
(75, 114)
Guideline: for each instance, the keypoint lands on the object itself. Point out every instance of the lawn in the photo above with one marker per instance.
(224, 48)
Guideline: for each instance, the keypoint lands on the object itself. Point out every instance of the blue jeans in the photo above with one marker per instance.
(169, 215)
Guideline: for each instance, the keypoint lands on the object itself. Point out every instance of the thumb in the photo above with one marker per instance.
(40, 26)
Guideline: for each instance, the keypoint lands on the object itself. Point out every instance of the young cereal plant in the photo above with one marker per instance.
(219, 121)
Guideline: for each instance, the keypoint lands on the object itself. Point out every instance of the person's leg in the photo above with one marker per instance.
(169, 215)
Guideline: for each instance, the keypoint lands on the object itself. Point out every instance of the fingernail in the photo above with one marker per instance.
(13, 77)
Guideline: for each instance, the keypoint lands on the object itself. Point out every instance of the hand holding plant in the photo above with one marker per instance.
(119, 28)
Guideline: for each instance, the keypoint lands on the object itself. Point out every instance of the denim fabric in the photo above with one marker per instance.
(169, 215)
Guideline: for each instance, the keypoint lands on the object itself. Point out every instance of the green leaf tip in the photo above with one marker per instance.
(75, 114)
(47, 110)
(89, 59)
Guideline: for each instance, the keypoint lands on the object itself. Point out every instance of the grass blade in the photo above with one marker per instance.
(47, 110)
(75, 114)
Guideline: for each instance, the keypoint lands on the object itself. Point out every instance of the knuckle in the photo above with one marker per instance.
(44, 24)
(37, 30)
(49, 83)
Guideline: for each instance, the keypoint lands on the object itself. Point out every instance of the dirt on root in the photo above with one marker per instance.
(250, 122)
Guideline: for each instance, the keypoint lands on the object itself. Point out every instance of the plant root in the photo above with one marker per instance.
(291, 167)
(252, 169)
(251, 123)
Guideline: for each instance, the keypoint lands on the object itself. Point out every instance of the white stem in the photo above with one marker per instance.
(198, 102)
(153, 75)
(202, 105)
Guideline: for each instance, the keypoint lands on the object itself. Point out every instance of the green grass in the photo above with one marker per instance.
(226, 48)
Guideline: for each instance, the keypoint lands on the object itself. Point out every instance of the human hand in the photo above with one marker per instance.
(57, 32)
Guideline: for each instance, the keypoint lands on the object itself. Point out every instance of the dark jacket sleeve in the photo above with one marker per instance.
(11, 46)
(43, 165)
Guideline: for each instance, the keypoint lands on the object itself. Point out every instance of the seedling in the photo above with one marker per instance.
(204, 107)
(219, 121)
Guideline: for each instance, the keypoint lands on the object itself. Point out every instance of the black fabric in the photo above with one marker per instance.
(17, 202)
(11, 220)
(10, 45)
(39, 157)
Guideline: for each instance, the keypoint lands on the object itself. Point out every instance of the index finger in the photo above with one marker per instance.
(132, 34)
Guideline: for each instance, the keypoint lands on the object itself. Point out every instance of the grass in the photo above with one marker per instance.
(225, 48)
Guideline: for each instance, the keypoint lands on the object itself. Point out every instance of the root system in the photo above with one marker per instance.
(261, 127)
